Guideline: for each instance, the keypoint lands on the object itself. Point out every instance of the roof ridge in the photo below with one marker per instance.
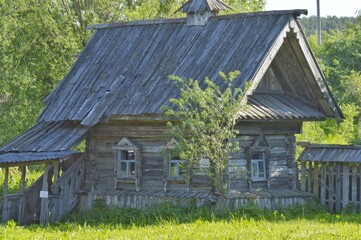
(294, 12)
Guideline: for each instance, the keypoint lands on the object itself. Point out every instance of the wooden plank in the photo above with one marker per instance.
(309, 177)
(345, 185)
(323, 184)
(354, 185)
(315, 180)
(338, 188)
(5, 213)
(331, 182)
(44, 211)
(303, 176)
(22, 197)
(56, 177)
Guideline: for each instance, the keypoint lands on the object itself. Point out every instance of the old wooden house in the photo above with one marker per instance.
(113, 96)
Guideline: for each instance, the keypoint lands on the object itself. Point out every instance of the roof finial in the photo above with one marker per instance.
(198, 11)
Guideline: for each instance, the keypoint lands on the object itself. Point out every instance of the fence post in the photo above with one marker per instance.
(5, 212)
(354, 184)
(315, 179)
(338, 187)
(331, 186)
(303, 176)
(323, 184)
(309, 177)
(345, 183)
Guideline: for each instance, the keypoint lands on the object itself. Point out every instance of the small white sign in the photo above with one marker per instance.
(44, 194)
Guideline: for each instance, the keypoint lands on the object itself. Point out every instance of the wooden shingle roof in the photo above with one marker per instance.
(124, 68)
(47, 137)
(331, 153)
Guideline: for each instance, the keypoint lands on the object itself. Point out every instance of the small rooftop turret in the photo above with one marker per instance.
(198, 11)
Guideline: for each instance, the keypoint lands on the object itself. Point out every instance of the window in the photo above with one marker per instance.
(126, 165)
(176, 168)
(258, 166)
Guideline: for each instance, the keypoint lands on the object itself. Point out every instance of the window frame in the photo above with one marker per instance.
(127, 162)
(126, 145)
(262, 160)
(265, 151)
(178, 175)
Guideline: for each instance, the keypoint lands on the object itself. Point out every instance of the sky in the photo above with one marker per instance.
(338, 8)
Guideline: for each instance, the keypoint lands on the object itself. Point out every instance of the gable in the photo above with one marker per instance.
(295, 73)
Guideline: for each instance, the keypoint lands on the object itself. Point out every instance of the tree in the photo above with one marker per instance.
(205, 126)
(339, 57)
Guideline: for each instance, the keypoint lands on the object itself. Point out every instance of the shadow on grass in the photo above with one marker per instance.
(101, 215)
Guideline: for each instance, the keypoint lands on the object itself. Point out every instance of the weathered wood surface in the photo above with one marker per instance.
(340, 184)
(102, 159)
(47, 140)
(5, 210)
(271, 198)
(95, 89)
(67, 188)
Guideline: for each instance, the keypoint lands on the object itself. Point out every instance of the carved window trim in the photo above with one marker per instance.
(126, 145)
(259, 146)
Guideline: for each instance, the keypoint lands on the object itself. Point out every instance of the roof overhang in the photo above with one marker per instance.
(19, 158)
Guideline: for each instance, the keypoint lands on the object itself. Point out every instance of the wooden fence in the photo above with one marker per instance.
(337, 185)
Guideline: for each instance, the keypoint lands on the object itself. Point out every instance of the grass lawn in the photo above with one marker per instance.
(169, 222)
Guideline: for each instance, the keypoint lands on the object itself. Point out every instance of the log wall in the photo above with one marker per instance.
(151, 137)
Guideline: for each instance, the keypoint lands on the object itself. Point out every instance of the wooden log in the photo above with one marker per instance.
(323, 184)
(309, 177)
(44, 211)
(315, 180)
(303, 176)
(331, 184)
(345, 185)
(22, 196)
(56, 177)
(338, 188)
(354, 184)
(5, 212)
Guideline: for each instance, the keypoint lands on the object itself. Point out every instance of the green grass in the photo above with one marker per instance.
(187, 222)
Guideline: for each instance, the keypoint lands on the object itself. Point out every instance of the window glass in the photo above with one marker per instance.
(258, 166)
(131, 166)
(176, 168)
(123, 169)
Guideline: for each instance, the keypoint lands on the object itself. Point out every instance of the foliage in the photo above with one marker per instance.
(207, 118)
(339, 56)
(185, 222)
(328, 24)
(33, 173)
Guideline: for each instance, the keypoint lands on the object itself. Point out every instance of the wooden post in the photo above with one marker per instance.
(309, 177)
(338, 187)
(44, 211)
(303, 176)
(315, 180)
(56, 177)
(22, 197)
(354, 184)
(323, 184)
(345, 183)
(331, 184)
(5, 212)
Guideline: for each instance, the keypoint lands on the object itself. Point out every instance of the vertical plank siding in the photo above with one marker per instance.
(340, 184)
